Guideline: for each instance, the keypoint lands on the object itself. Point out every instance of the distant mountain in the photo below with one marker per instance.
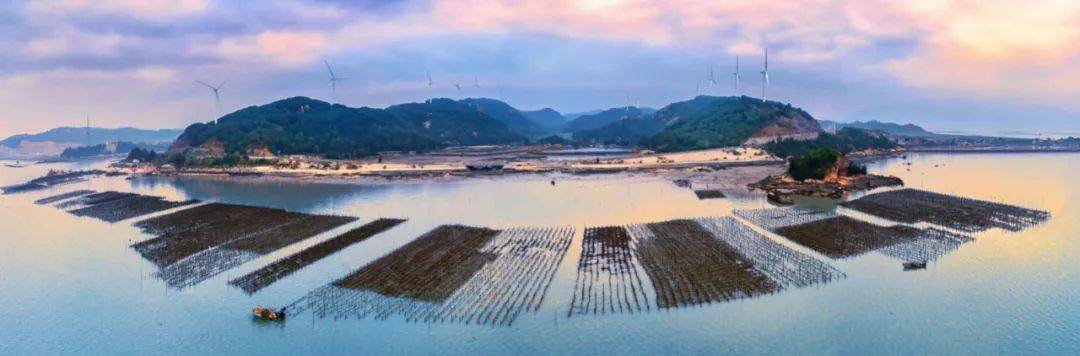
(111, 148)
(546, 117)
(623, 126)
(513, 118)
(886, 127)
(97, 135)
(574, 115)
(600, 118)
(302, 125)
(708, 122)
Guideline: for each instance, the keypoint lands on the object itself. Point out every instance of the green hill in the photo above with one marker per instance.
(599, 119)
(887, 127)
(547, 118)
(708, 122)
(513, 118)
(93, 136)
(302, 125)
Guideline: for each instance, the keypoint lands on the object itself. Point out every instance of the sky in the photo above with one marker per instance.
(964, 66)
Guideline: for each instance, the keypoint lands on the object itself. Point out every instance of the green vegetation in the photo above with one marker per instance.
(701, 123)
(547, 118)
(97, 150)
(147, 155)
(594, 121)
(631, 131)
(886, 127)
(301, 125)
(844, 141)
(813, 164)
(513, 118)
(709, 122)
(554, 140)
(854, 169)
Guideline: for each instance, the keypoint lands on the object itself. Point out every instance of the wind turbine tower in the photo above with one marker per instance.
(765, 76)
(738, 76)
(217, 94)
(430, 85)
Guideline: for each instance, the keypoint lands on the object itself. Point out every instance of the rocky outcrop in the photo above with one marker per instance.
(797, 127)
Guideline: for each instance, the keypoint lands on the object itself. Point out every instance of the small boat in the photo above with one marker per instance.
(484, 167)
(268, 314)
(908, 266)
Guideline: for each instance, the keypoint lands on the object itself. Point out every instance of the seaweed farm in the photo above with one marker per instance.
(607, 274)
(843, 237)
(687, 262)
(130, 207)
(195, 244)
(62, 196)
(111, 206)
(785, 266)
(452, 273)
(959, 213)
(254, 281)
(689, 266)
(774, 218)
(557, 269)
(709, 194)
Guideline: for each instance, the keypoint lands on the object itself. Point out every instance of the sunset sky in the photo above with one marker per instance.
(974, 66)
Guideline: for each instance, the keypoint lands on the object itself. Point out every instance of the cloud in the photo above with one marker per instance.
(144, 9)
(1002, 49)
(832, 56)
(280, 48)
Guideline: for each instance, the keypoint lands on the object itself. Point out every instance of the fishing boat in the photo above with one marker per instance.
(268, 314)
(908, 266)
(484, 167)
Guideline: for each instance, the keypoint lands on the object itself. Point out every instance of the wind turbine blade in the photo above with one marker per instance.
(207, 85)
(329, 70)
(222, 83)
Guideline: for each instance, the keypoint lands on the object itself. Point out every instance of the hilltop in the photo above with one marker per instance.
(53, 142)
(598, 119)
(301, 125)
(910, 130)
(708, 122)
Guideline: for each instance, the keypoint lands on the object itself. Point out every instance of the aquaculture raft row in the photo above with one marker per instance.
(452, 273)
(195, 244)
(62, 196)
(607, 277)
(964, 214)
(838, 236)
(111, 206)
(254, 281)
(688, 262)
(689, 266)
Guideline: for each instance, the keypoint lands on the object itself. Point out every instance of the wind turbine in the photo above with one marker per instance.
(217, 93)
(476, 82)
(430, 85)
(765, 76)
(333, 77)
(712, 76)
(738, 76)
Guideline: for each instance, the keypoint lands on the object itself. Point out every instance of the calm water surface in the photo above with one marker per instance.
(72, 285)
